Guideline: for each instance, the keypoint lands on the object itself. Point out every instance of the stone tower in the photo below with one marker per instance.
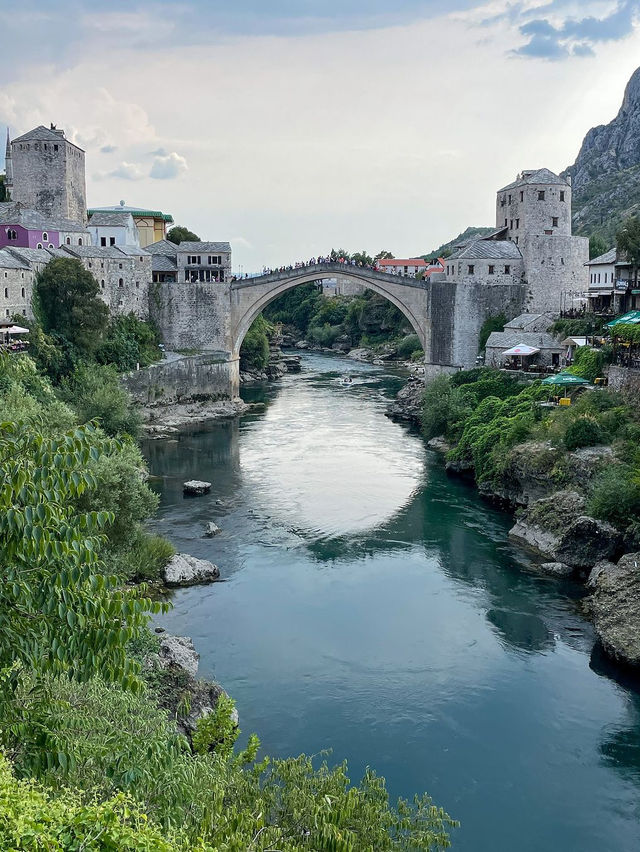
(8, 169)
(48, 174)
(535, 213)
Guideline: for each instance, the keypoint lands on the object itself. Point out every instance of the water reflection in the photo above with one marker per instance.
(385, 614)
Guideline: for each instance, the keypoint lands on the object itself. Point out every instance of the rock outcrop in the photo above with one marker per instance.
(211, 529)
(557, 528)
(177, 662)
(196, 487)
(407, 405)
(185, 570)
(606, 174)
(615, 609)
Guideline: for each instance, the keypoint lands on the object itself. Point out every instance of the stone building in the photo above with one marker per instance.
(46, 172)
(533, 244)
(528, 330)
(123, 274)
(16, 285)
(206, 262)
(403, 266)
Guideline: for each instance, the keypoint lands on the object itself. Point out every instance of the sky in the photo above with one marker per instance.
(292, 126)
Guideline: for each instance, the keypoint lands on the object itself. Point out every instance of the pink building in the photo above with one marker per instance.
(21, 227)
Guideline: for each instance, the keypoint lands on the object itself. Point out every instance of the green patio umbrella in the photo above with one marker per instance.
(565, 380)
(633, 317)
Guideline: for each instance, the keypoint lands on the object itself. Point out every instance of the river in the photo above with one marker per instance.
(374, 606)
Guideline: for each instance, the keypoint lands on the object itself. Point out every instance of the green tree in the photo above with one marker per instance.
(60, 613)
(597, 246)
(362, 257)
(491, 323)
(384, 255)
(95, 393)
(67, 303)
(628, 241)
(254, 352)
(179, 234)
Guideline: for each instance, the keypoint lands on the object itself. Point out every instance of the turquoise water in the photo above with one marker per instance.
(374, 606)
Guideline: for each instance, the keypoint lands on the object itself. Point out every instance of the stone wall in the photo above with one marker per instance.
(16, 289)
(625, 380)
(191, 315)
(554, 264)
(194, 377)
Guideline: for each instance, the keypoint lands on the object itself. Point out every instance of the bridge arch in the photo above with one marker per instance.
(250, 296)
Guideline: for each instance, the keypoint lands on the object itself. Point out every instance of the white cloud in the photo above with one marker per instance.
(168, 166)
(125, 171)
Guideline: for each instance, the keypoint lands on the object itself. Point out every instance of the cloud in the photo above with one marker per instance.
(108, 149)
(159, 152)
(573, 36)
(168, 166)
(125, 171)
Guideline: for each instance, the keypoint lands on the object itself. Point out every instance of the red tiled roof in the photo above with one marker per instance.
(397, 261)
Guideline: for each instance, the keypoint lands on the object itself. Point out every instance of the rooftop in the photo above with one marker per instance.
(162, 247)
(200, 246)
(112, 218)
(536, 176)
(490, 249)
(135, 211)
(17, 214)
(44, 134)
(608, 257)
(538, 339)
(163, 263)
(399, 261)
(8, 261)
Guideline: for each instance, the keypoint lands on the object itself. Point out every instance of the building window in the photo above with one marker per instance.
(45, 236)
(517, 224)
(506, 222)
(6, 292)
(12, 235)
(120, 283)
(509, 199)
(137, 285)
(112, 241)
(492, 270)
(55, 147)
(511, 224)
(103, 241)
(598, 277)
(215, 259)
(549, 232)
(472, 269)
(606, 276)
(541, 195)
(562, 195)
(522, 196)
(89, 264)
(50, 245)
(22, 293)
(39, 245)
(102, 284)
(507, 270)
(554, 221)
(68, 241)
(119, 266)
(80, 241)
(503, 201)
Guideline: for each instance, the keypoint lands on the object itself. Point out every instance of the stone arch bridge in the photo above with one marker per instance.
(214, 317)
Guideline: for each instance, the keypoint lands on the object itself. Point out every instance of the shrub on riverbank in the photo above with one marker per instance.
(254, 352)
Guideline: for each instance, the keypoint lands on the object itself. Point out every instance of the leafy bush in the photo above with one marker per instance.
(96, 394)
(217, 732)
(254, 352)
(583, 432)
(324, 335)
(615, 495)
(588, 363)
(409, 345)
(129, 341)
(491, 324)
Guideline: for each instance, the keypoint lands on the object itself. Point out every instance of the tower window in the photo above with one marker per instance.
(6, 292)
(55, 147)
(103, 241)
(120, 282)
(522, 196)
(554, 221)
(517, 223)
(80, 241)
(492, 270)
(102, 284)
(509, 199)
(68, 241)
(507, 270)
(541, 195)
(45, 235)
(472, 269)
(562, 195)
(22, 292)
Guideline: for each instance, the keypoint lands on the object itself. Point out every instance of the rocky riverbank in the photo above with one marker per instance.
(164, 421)
(546, 487)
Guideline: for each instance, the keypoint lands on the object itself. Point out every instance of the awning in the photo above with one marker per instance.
(632, 318)
(564, 380)
(521, 349)
(593, 294)
(575, 341)
(15, 329)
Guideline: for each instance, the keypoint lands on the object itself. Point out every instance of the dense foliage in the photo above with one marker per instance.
(66, 303)
(628, 243)
(179, 234)
(254, 352)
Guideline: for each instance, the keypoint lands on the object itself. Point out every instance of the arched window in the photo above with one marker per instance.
(102, 284)
(39, 245)
(80, 241)
(45, 235)
(68, 241)
(120, 282)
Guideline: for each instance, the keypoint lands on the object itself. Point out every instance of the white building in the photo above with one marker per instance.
(403, 266)
(113, 228)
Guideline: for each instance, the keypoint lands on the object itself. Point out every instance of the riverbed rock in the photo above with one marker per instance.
(598, 568)
(178, 651)
(186, 570)
(302, 344)
(360, 354)
(615, 608)
(407, 406)
(292, 363)
(195, 487)
(439, 444)
(211, 529)
(587, 541)
(556, 569)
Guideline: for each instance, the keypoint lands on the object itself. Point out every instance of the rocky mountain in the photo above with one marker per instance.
(606, 174)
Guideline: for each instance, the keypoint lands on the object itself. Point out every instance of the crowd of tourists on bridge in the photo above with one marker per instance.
(314, 261)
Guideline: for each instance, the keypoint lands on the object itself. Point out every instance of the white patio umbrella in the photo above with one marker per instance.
(16, 329)
(521, 350)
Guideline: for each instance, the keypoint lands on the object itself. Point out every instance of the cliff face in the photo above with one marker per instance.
(606, 174)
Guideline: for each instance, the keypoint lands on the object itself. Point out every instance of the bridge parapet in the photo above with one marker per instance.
(328, 270)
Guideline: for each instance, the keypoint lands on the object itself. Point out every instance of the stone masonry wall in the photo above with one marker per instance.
(16, 289)
(193, 377)
(191, 315)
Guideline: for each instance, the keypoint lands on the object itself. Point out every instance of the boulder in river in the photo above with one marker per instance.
(407, 405)
(178, 651)
(185, 570)
(195, 487)
(556, 569)
(211, 529)
(615, 608)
